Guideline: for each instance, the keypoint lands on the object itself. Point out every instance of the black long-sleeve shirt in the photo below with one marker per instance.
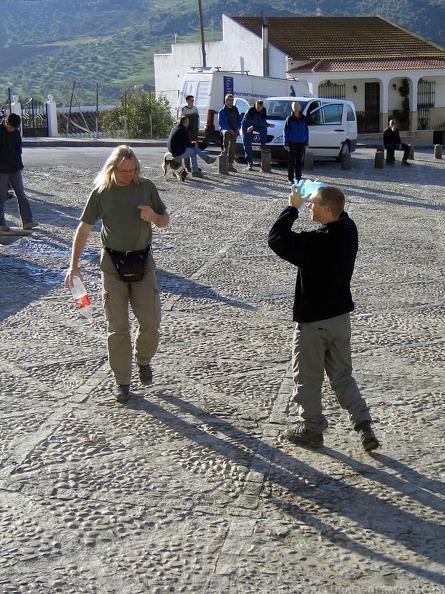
(325, 258)
(178, 140)
(10, 150)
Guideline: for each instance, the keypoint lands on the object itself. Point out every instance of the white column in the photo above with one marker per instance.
(16, 107)
(51, 113)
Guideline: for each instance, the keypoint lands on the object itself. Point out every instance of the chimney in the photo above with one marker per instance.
(265, 39)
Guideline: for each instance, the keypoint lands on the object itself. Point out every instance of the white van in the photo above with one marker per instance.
(209, 86)
(332, 126)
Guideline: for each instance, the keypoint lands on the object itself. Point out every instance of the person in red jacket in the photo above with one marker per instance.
(325, 258)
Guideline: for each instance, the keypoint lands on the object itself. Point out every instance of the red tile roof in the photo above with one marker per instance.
(314, 39)
(367, 65)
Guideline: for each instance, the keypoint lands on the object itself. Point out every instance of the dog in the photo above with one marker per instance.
(176, 167)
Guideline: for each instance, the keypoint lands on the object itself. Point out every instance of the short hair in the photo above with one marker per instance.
(295, 103)
(332, 197)
(187, 97)
(13, 120)
(259, 102)
(228, 96)
(104, 179)
(182, 120)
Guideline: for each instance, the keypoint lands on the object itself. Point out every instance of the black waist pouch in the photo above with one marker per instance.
(130, 265)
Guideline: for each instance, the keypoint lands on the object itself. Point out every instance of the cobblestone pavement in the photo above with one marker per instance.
(189, 488)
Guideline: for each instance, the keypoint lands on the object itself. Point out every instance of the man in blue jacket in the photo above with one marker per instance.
(229, 120)
(296, 141)
(325, 258)
(255, 118)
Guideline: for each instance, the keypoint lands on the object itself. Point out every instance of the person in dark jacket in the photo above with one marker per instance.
(11, 166)
(325, 258)
(180, 145)
(296, 141)
(392, 142)
(255, 118)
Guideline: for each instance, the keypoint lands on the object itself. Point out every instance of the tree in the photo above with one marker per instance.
(140, 115)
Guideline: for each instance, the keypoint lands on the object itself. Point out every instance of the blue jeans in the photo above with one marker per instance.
(15, 180)
(192, 153)
(247, 140)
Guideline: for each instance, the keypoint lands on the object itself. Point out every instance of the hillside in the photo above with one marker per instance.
(46, 45)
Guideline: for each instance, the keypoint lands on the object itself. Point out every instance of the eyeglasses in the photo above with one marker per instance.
(125, 170)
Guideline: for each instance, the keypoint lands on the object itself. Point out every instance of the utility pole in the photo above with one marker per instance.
(201, 28)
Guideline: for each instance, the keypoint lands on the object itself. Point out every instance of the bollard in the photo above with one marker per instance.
(378, 160)
(411, 152)
(309, 161)
(437, 151)
(265, 160)
(223, 163)
(346, 161)
(380, 148)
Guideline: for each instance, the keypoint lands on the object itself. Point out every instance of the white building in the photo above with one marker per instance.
(367, 60)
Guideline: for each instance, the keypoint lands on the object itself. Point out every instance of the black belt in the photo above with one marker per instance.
(137, 253)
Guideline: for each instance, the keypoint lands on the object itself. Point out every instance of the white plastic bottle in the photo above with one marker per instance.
(81, 298)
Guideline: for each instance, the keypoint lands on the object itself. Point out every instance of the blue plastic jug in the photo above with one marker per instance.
(307, 187)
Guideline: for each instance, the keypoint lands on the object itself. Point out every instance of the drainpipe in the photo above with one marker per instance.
(265, 39)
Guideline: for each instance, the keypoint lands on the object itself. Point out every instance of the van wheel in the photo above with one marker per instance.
(344, 150)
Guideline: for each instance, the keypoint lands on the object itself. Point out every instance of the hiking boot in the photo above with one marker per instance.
(122, 393)
(301, 436)
(30, 225)
(197, 174)
(145, 374)
(232, 168)
(5, 228)
(406, 163)
(367, 437)
(211, 160)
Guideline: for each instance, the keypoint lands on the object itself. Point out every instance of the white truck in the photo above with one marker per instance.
(209, 86)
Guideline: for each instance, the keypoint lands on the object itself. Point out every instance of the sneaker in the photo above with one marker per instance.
(406, 163)
(197, 174)
(301, 436)
(211, 160)
(30, 225)
(5, 228)
(145, 374)
(9, 196)
(249, 167)
(232, 168)
(122, 393)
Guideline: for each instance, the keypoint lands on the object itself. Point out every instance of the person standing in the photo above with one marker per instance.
(255, 118)
(191, 111)
(229, 120)
(11, 166)
(325, 258)
(296, 141)
(180, 145)
(392, 142)
(128, 205)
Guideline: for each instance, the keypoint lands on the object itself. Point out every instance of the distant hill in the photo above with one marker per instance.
(47, 45)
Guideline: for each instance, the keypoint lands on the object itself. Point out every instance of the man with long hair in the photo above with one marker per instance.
(127, 204)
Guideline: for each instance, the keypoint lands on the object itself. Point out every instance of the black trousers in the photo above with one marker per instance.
(391, 148)
(295, 160)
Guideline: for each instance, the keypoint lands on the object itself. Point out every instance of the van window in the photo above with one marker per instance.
(202, 93)
(187, 89)
(328, 114)
(280, 109)
(350, 114)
